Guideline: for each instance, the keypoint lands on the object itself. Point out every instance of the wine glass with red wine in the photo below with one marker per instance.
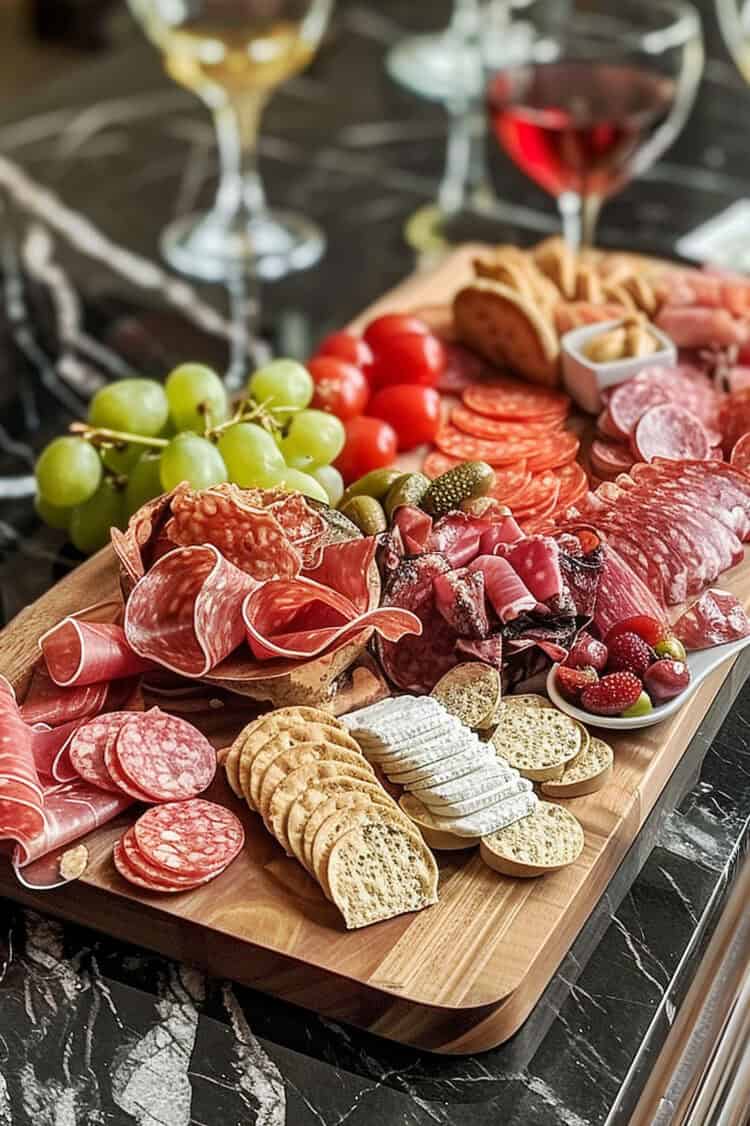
(605, 90)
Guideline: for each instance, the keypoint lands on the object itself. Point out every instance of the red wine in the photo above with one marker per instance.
(575, 126)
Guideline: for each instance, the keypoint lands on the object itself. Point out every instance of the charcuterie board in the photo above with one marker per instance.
(458, 977)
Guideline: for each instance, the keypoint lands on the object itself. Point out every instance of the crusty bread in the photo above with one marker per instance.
(339, 823)
(588, 772)
(548, 839)
(319, 773)
(508, 330)
(299, 755)
(376, 871)
(339, 794)
(538, 742)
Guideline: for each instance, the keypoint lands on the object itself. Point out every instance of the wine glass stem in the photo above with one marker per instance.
(240, 188)
(580, 215)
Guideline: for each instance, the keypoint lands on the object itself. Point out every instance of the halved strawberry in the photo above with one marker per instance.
(629, 653)
(612, 694)
(571, 682)
(586, 652)
(650, 629)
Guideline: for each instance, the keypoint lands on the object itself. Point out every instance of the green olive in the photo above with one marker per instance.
(376, 484)
(367, 513)
(409, 488)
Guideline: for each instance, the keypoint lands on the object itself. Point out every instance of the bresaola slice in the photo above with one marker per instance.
(714, 619)
(83, 653)
(185, 613)
(536, 560)
(670, 431)
(416, 662)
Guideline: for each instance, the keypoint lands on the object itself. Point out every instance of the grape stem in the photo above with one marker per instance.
(97, 434)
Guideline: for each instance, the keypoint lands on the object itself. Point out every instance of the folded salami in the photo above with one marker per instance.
(45, 702)
(713, 619)
(82, 653)
(21, 794)
(51, 749)
(184, 614)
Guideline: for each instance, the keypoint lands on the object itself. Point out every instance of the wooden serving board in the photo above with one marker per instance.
(459, 977)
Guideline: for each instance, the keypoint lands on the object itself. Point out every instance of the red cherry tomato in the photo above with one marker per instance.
(340, 387)
(347, 346)
(370, 444)
(413, 412)
(408, 359)
(393, 324)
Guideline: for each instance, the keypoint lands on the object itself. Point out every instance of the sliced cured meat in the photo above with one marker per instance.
(672, 432)
(184, 613)
(46, 702)
(740, 456)
(133, 547)
(459, 597)
(246, 532)
(542, 492)
(165, 756)
(510, 482)
(631, 400)
(489, 650)
(415, 664)
(505, 591)
(21, 796)
(348, 569)
(555, 451)
(536, 560)
(51, 749)
(581, 570)
(696, 327)
(462, 368)
(81, 653)
(607, 428)
(715, 618)
(414, 527)
(513, 399)
(503, 531)
(573, 483)
(608, 458)
(436, 463)
(457, 536)
(734, 419)
(621, 594)
(714, 484)
(155, 874)
(480, 426)
(88, 749)
(495, 451)
(191, 838)
(71, 811)
(120, 779)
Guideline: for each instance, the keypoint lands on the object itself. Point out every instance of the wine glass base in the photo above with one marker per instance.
(269, 247)
(427, 65)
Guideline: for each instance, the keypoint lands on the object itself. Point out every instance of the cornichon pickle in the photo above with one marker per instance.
(367, 513)
(409, 488)
(463, 482)
(376, 484)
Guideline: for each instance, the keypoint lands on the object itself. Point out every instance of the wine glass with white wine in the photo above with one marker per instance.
(233, 54)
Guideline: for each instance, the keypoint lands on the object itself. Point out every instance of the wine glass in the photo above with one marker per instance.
(601, 96)
(734, 21)
(232, 54)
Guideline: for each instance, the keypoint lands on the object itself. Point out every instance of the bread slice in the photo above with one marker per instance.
(538, 742)
(588, 772)
(470, 692)
(321, 774)
(261, 750)
(299, 755)
(548, 839)
(339, 823)
(315, 805)
(377, 871)
(279, 717)
(442, 840)
(508, 330)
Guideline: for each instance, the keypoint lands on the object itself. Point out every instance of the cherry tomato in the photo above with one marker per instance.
(370, 444)
(340, 387)
(393, 324)
(408, 359)
(413, 412)
(347, 346)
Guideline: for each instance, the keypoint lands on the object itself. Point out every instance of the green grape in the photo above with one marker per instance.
(250, 454)
(144, 481)
(317, 435)
(331, 480)
(121, 460)
(197, 398)
(282, 383)
(293, 457)
(90, 522)
(58, 518)
(138, 406)
(294, 481)
(68, 472)
(193, 459)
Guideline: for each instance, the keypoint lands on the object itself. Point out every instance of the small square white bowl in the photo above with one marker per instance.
(585, 380)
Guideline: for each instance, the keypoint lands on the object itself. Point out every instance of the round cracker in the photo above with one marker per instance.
(586, 774)
(547, 839)
(270, 741)
(339, 794)
(252, 737)
(538, 742)
(299, 755)
(340, 822)
(470, 692)
(320, 774)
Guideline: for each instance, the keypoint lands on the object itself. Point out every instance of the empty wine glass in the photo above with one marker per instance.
(734, 21)
(233, 54)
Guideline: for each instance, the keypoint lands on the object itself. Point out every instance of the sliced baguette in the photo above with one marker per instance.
(591, 770)
(548, 839)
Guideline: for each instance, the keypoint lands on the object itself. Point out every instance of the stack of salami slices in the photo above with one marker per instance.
(519, 429)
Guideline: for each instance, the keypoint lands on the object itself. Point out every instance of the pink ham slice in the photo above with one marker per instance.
(459, 597)
(506, 530)
(185, 613)
(457, 537)
(504, 589)
(713, 619)
(82, 653)
(536, 560)
(21, 794)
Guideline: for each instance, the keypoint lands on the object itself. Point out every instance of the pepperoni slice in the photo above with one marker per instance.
(435, 464)
(573, 483)
(672, 432)
(512, 399)
(479, 426)
(190, 837)
(498, 451)
(556, 451)
(740, 456)
(541, 496)
(165, 757)
(89, 745)
(510, 482)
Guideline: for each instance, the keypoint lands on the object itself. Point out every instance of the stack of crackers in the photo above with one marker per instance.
(522, 302)
(305, 775)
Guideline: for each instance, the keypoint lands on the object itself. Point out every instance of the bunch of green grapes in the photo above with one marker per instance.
(142, 438)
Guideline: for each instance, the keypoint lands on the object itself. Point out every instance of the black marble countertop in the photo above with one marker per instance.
(96, 1033)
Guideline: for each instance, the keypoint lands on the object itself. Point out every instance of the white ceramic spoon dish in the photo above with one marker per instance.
(701, 664)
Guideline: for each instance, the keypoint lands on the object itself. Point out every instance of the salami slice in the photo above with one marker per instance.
(608, 458)
(480, 426)
(671, 432)
(165, 756)
(51, 750)
(436, 463)
(184, 613)
(133, 546)
(554, 452)
(573, 483)
(513, 399)
(83, 653)
(621, 594)
(495, 451)
(120, 778)
(189, 837)
(740, 456)
(510, 482)
(415, 664)
(46, 702)
(541, 494)
(715, 618)
(89, 746)
(155, 873)
(349, 569)
(631, 400)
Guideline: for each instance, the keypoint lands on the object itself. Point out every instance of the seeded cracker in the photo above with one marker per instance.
(538, 742)
(590, 771)
(548, 839)
(470, 692)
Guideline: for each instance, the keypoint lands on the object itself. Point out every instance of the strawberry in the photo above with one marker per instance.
(629, 653)
(571, 682)
(650, 629)
(612, 694)
(586, 652)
